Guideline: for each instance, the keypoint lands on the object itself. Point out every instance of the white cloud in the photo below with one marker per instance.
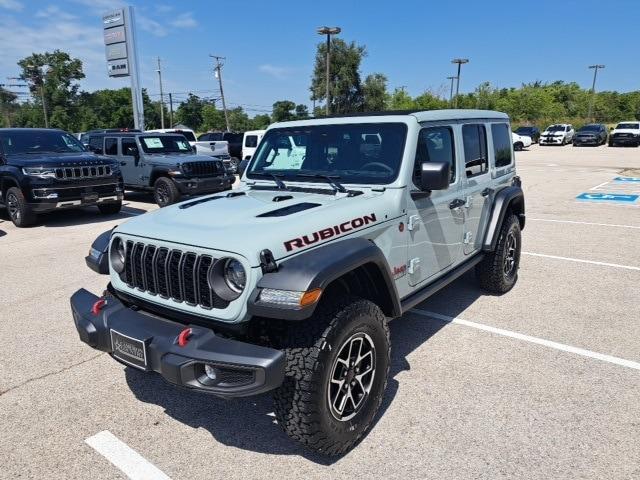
(184, 20)
(12, 5)
(149, 25)
(275, 71)
(54, 13)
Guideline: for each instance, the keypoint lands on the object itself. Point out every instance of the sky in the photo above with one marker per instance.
(270, 45)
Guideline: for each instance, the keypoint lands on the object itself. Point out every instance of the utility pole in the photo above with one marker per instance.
(328, 31)
(161, 95)
(170, 111)
(218, 74)
(451, 90)
(593, 89)
(460, 62)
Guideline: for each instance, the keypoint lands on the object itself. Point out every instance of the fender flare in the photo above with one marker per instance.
(318, 268)
(98, 258)
(508, 198)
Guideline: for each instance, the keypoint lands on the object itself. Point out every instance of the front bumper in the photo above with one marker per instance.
(551, 140)
(625, 140)
(586, 141)
(47, 197)
(200, 185)
(243, 369)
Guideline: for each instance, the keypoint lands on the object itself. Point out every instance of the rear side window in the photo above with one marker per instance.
(96, 143)
(435, 144)
(474, 138)
(111, 146)
(501, 144)
(251, 141)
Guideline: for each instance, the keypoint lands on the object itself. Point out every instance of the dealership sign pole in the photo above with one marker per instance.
(122, 55)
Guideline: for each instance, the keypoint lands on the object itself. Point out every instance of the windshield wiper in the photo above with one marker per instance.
(281, 185)
(331, 180)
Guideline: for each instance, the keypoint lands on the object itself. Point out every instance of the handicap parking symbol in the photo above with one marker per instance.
(607, 197)
(627, 179)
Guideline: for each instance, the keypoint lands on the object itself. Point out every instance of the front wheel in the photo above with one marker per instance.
(337, 368)
(165, 192)
(518, 146)
(19, 212)
(498, 270)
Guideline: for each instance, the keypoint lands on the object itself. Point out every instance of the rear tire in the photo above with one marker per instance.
(110, 208)
(165, 192)
(331, 395)
(498, 270)
(19, 212)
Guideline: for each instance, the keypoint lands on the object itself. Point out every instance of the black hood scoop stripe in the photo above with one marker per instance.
(291, 209)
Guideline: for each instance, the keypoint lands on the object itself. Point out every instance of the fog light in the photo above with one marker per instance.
(210, 372)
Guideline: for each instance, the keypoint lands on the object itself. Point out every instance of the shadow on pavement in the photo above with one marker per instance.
(249, 423)
(86, 215)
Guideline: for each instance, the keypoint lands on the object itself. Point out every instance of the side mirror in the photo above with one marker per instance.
(132, 152)
(242, 167)
(96, 150)
(435, 175)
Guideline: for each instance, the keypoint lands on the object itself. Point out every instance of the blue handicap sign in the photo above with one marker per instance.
(607, 197)
(627, 179)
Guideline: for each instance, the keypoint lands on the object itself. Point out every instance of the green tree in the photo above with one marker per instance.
(401, 100)
(260, 122)
(8, 106)
(283, 110)
(344, 83)
(189, 112)
(302, 111)
(374, 93)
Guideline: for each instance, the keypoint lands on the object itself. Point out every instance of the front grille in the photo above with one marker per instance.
(92, 171)
(170, 274)
(203, 169)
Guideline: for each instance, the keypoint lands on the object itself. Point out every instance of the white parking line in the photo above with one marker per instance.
(598, 186)
(583, 223)
(539, 341)
(130, 462)
(579, 260)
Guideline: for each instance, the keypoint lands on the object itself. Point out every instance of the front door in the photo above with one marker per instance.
(130, 165)
(436, 218)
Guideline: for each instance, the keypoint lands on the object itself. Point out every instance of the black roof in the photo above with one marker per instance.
(31, 130)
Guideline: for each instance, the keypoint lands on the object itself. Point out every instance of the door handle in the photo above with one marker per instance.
(457, 203)
(486, 192)
(123, 163)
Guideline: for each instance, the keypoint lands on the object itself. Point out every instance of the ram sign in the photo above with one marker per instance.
(116, 38)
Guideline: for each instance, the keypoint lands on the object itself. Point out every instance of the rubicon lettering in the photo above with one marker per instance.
(329, 232)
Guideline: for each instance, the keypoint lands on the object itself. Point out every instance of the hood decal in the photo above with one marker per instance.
(329, 232)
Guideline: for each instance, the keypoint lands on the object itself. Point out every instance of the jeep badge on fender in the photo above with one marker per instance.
(287, 283)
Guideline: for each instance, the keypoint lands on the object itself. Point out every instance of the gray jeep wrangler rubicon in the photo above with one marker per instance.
(163, 163)
(286, 284)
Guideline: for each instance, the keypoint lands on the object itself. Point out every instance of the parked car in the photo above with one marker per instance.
(233, 139)
(520, 141)
(42, 170)
(558, 134)
(531, 132)
(287, 283)
(250, 143)
(625, 133)
(592, 134)
(163, 163)
(219, 149)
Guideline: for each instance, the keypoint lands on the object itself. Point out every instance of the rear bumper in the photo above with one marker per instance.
(242, 369)
(199, 185)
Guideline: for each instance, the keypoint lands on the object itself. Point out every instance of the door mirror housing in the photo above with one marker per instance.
(94, 149)
(132, 151)
(434, 175)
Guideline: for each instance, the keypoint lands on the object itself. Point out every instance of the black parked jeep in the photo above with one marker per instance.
(42, 170)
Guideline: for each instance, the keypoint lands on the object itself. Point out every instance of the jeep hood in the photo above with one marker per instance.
(57, 160)
(174, 158)
(246, 221)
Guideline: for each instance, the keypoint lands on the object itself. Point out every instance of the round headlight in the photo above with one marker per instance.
(117, 254)
(235, 275)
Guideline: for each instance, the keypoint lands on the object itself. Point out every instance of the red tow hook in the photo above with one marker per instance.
(184, 336)
(99, 305)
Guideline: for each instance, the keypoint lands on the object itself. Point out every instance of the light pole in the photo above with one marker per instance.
(328, 31)
(459, 61)
(451, 90)
(593, 89)
(41, 74)
(161, 95)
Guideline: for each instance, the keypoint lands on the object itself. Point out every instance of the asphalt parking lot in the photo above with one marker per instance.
(543, 382)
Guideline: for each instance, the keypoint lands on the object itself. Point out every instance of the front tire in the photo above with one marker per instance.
(498, 270)
(165, 192)
(19, 212)
(518, 146)
(337, 368)
(110, 208)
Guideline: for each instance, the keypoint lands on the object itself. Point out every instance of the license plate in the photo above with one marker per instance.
(90, 197)
(129, 350)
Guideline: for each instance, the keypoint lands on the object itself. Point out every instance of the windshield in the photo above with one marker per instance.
(165, 144)
(188, 135)
(630, 126)
(556, 128)
(16, 142)
(362, 153)
(524, 130)
(590, 128)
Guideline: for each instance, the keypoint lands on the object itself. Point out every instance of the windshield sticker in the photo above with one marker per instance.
(153, 142)
(182, 145)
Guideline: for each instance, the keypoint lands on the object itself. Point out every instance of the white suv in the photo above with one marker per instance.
(557, 134)
(625, 133)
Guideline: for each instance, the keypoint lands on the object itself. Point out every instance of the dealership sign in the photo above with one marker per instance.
(116, 41)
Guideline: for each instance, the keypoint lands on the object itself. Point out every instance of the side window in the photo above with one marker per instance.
(501, 144)
(251, 141)
(111, 146)
(128, 143)
(96, 144)
(435, 144)
(474, 138)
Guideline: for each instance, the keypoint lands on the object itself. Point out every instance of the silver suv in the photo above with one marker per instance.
(287, 283)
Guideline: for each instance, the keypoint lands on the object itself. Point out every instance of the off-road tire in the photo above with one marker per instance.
(165, 192)
(302, 405)
(17, 208)
(491, 271)
(110, 208)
